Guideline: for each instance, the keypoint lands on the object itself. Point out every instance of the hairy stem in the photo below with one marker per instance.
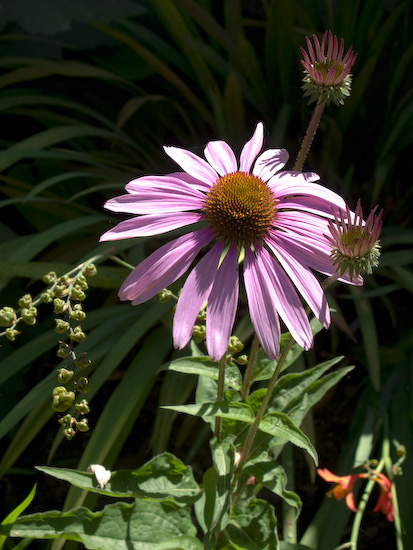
(220, 394)
(309, 136)
(247, 377)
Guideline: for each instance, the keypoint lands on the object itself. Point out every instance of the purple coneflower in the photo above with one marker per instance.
(327, 73)
(273, 220)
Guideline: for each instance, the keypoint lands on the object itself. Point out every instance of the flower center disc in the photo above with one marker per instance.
(240, 208)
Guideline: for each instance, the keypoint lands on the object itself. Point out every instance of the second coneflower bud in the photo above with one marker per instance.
(355, 242)
(327, 71)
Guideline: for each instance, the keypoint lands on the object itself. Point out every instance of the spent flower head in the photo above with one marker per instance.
(255, 213)
(327, 72)
(355, 242)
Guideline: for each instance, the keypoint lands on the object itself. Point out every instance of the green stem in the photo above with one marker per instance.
(248, 372)
(220, 393)
(261, 411)
(309, 136)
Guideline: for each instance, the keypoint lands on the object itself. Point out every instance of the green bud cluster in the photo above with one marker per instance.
(7, 317)
(235, 345)
(199, 333)
(62, 399)
(29, 315)
(164, 295)
(77, 313)
(60, 292)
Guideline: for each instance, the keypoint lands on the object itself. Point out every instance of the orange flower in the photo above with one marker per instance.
(384, 504)
(344, 489)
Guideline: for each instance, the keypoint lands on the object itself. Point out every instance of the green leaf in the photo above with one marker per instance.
(233, 411)
(162, 478)
(272, 475)
(14, 514)
(204, 367)
(280, 425)
(142, 526)
(218, 488)
(253, 526)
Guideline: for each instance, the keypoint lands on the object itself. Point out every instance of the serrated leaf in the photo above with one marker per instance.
(280, 425)
(204, 367)
(233, 411)
(141, 525)
(162, 478)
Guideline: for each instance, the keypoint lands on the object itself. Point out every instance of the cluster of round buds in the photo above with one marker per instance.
(327, 72)
(355, 242)
(66, 291)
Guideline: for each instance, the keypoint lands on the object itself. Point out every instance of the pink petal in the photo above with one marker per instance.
(286, 183)
(163, 267)
(311, 204)
(251, 149)
(222, 306)
(178, 181)
(153, 224)
(150, 201)
(261, 304)
(194, 294)
(287, 302)
(303, 279)
(221, 157)
(192, 164)
(269, 163)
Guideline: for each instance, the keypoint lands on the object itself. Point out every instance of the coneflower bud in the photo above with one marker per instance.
(327, 73)
(355, 243)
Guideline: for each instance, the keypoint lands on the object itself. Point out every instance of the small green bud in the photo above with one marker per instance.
(66, 420)
(199, 333)
(82, 425)
(77, 313)
(25, 301)
(7, 317)
(77, 293)
(242, 360)
(83, 385)
(81, 281)
(64, 376)
(201, 315)
(82, 361)
(49, 278)
(11, 334)
(29, 314)
(164, 295)
(47, 296)
(62, 399)
(90, 270)
(59, 305)
(82, 407)
(78, 335)
(235, 345)
(62, 326)
(401, 450)
(63, 350)
(69, 433)
(65, 280)
(60, 290)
